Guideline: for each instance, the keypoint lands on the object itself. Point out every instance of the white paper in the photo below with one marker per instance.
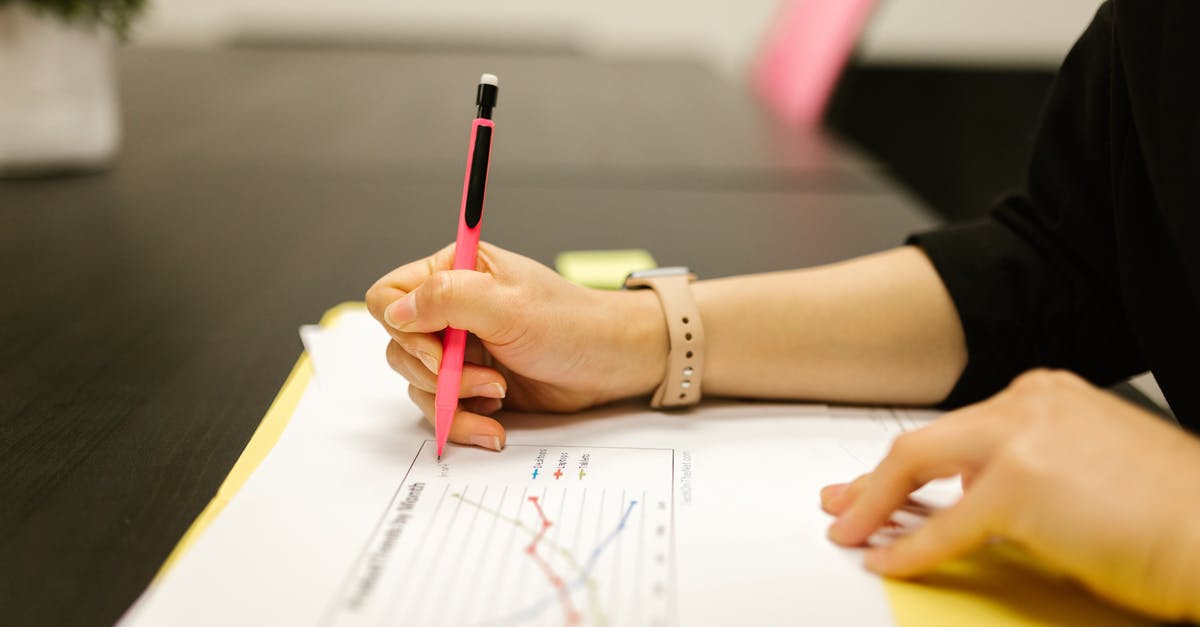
(708, 517)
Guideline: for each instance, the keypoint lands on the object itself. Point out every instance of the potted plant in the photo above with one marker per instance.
(58, 97)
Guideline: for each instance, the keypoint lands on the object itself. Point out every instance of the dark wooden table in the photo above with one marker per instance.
(148, 315)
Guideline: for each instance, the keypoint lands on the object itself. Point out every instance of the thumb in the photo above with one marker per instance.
(463, 299)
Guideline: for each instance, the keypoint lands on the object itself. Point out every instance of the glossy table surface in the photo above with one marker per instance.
(149, 314)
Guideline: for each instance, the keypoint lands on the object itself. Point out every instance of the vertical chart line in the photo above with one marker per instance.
(614, 590)
(571, 615)
(600, 516)
(478, 570)
(438, 560)
(593, 593)
(579, 522)
(416, 561)
(673, 591)
(532, 576)
(639, 575)
(456, 562)
(496, 597)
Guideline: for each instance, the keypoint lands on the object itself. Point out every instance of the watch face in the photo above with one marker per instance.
(660, 272)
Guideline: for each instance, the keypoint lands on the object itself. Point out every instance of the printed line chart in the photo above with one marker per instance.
(537, 535)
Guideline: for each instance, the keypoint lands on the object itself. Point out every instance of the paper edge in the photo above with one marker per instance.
(269, 430)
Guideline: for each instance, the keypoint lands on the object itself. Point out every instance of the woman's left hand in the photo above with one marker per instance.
(1088, 483)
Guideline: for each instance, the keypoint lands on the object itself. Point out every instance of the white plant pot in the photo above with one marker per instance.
(58, 99)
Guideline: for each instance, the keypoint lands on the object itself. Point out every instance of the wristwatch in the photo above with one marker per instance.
(680, 386)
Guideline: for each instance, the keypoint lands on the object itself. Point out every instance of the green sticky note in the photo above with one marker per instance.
(603, 269)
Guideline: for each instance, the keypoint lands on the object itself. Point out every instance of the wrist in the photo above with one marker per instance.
(640, 340)
(1178, 559)
(1190, 549)
(1188, 580)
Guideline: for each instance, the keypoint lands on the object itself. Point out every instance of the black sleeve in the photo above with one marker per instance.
(1035, 283)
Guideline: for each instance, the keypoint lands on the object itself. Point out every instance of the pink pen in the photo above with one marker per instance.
(470, 217)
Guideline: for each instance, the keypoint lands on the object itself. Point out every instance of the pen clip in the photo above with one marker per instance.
(477, 182)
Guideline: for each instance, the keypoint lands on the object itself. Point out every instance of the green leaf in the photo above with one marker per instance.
(114, 14)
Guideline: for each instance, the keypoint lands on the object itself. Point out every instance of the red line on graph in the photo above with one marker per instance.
(546, 524)
(564, 595)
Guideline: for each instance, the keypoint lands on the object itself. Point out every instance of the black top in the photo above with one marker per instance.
(1094, 267)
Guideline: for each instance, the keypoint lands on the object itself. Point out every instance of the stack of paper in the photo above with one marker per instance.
(617, 516)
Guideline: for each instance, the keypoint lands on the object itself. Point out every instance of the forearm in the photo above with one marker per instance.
(877, 329)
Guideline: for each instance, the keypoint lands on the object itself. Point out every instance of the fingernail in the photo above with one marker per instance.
(401, 312)
(490, 390)
(831, 492)
(430, 361)
(485, 441)
(876, 559)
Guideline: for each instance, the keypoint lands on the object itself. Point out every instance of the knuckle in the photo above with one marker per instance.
(1045, 380)
(402, 363)
(1037, 392)
(375, 297)
(484, 257)
(440, 286)
(403, 342)
(1020, 469)
(1022, 462)
(905, 445)
(439, 261)
(395, 358)
(421, 399)
(1059, 379)
(1034, 381)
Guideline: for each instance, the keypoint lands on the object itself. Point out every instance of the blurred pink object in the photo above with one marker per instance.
(804, 53)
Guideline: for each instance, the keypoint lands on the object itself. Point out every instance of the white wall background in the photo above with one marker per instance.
(724, 33)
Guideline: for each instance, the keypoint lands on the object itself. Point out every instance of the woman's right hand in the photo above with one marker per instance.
(1089, 484)
(540, 343)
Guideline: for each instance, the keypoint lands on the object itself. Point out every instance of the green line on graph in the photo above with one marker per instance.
(598, 616)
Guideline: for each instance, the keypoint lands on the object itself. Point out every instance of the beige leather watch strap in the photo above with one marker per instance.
(680, 386)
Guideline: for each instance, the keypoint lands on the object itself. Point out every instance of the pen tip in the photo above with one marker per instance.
(489, 79)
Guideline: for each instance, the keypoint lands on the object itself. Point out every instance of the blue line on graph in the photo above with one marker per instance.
(591, 563)
(550, 599)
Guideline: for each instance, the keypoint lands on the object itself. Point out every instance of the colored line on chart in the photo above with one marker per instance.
(585, 576)
(591, 563)
(564, 595)
(593, 601)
